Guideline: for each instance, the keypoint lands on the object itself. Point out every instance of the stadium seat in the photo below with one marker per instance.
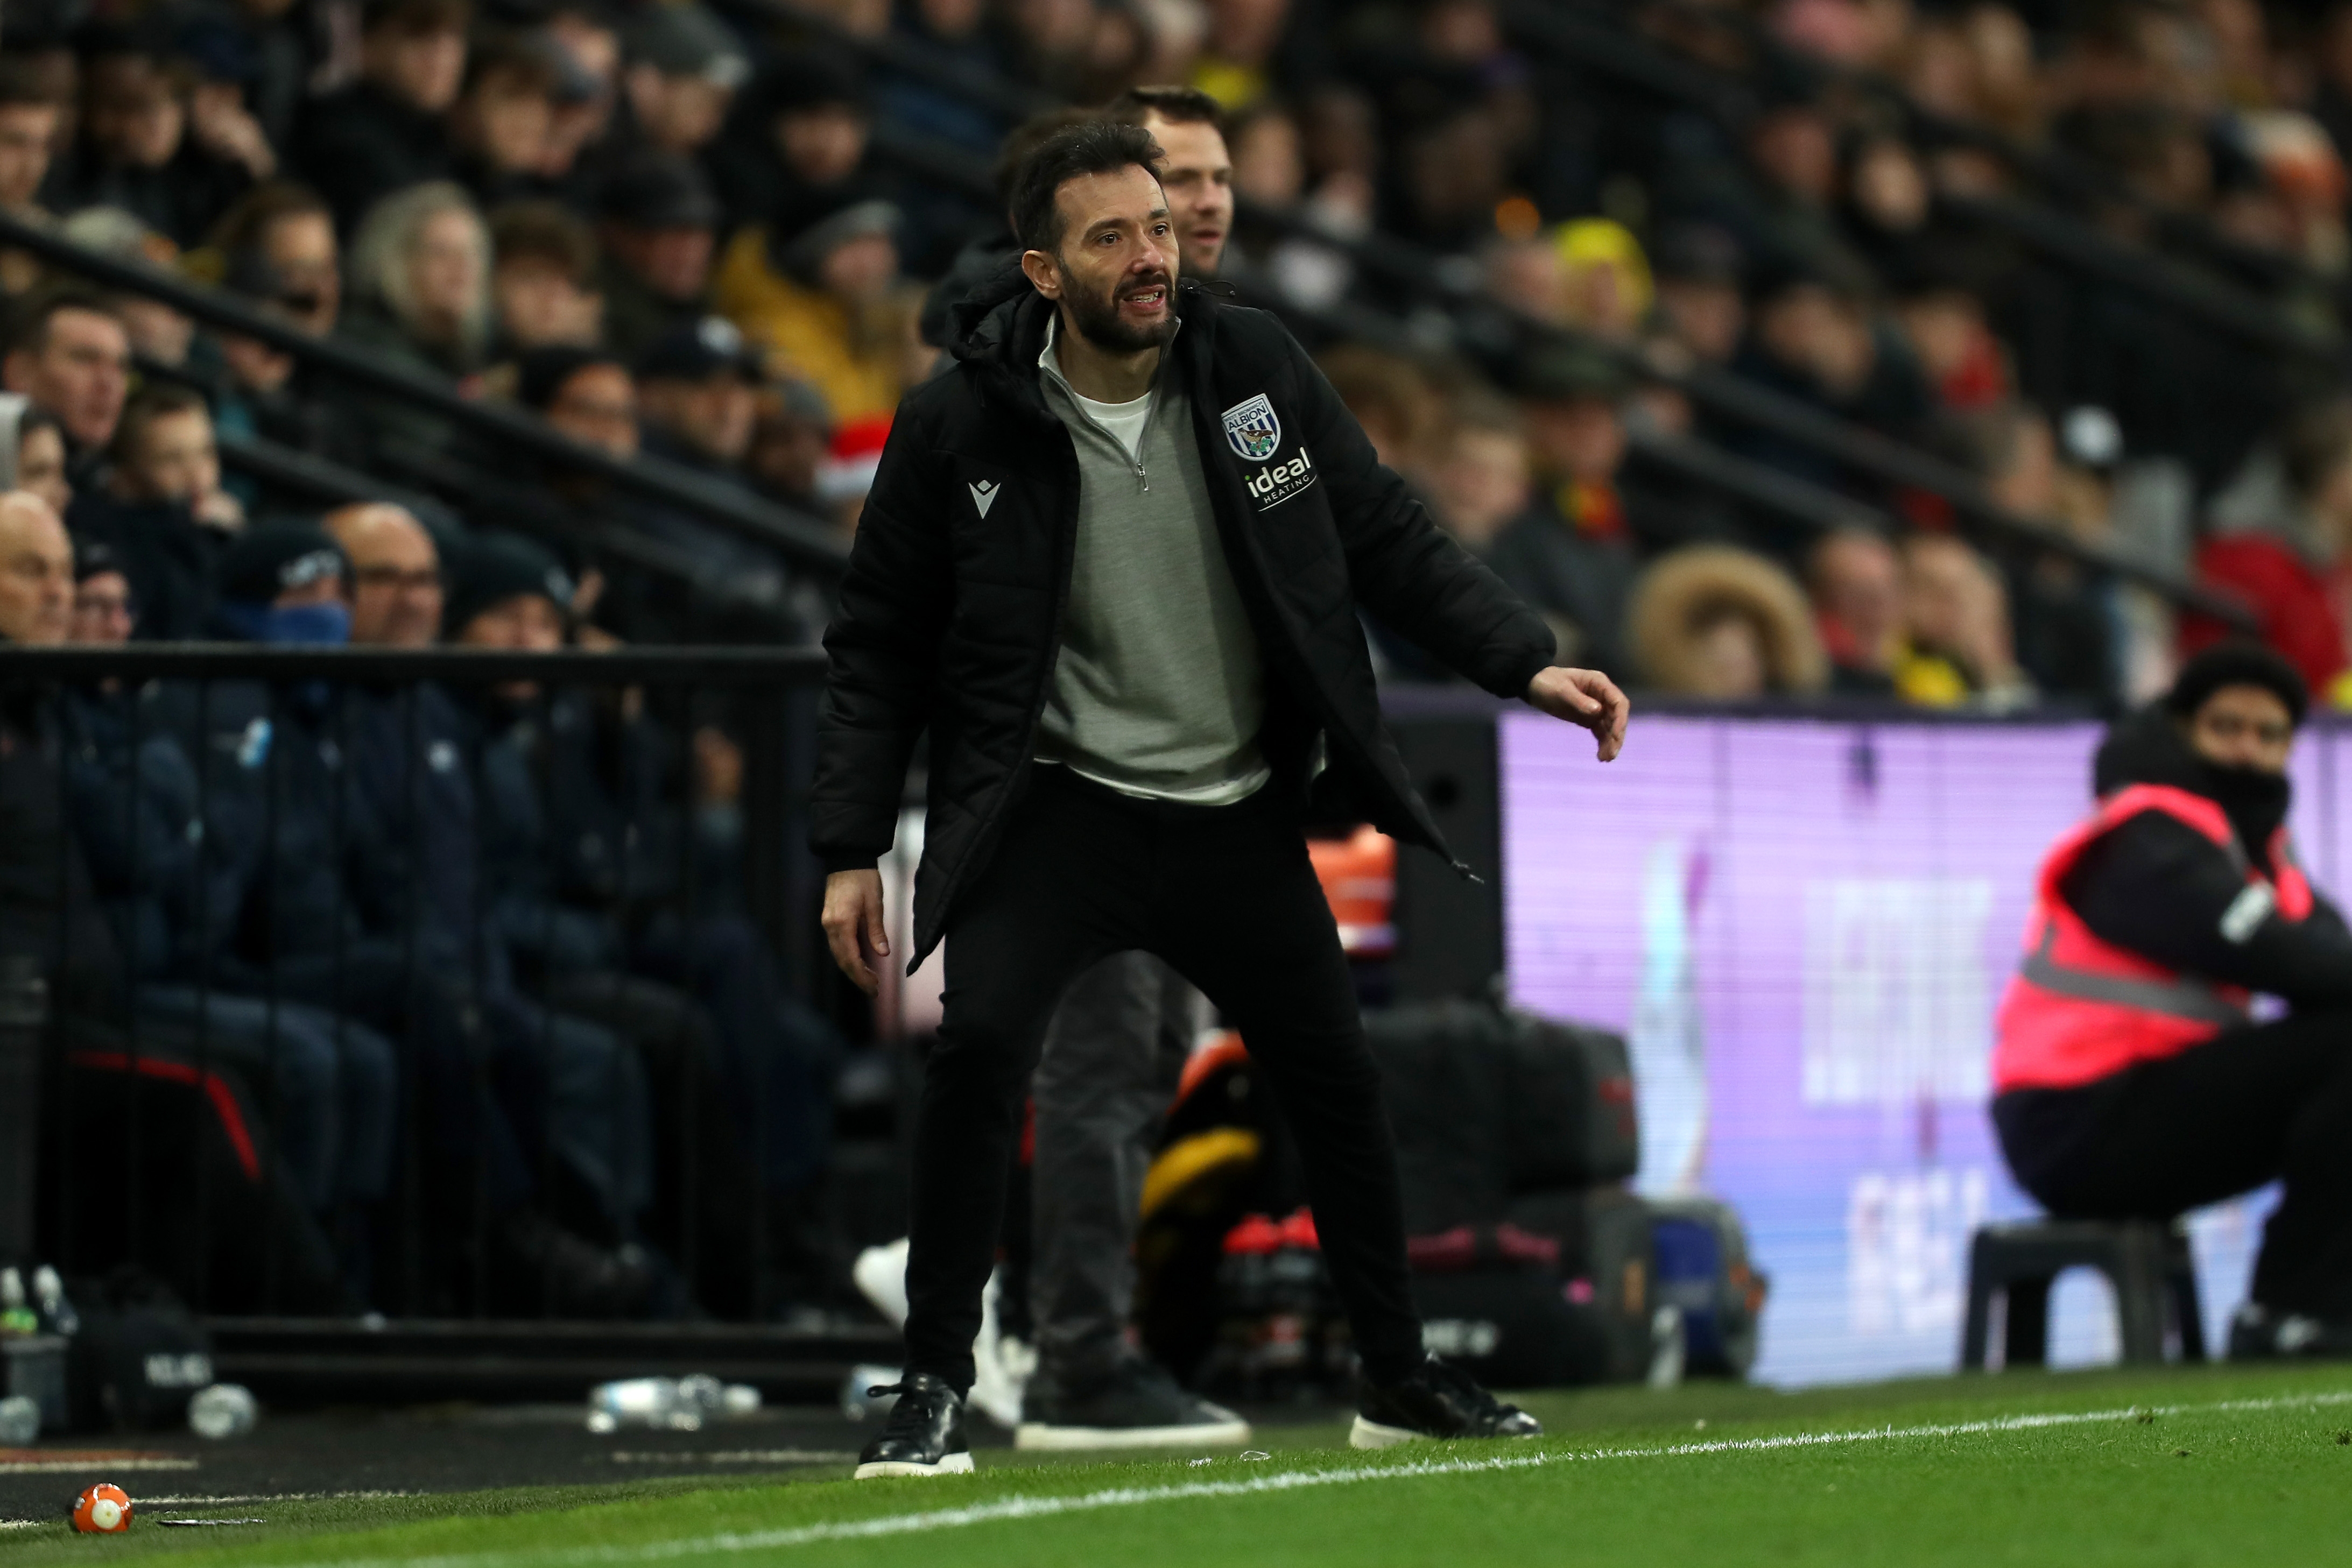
(2146, 1261)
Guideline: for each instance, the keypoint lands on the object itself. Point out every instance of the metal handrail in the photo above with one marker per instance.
(806, 543)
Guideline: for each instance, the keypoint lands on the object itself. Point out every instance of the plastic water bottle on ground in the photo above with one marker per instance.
(651, 1402)
(223, 1410)
(20, 1421)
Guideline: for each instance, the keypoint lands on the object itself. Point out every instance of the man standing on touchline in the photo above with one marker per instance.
(1111, 563)
(1115, 1049)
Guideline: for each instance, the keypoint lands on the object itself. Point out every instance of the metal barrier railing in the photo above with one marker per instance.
(440, 985)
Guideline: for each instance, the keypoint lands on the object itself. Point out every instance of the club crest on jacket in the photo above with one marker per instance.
(1253, 430)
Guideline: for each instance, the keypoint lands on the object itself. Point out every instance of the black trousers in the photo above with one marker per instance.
(2252, 1105)
(1226, 895)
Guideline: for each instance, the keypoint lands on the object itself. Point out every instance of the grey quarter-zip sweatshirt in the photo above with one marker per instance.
(1158, 691)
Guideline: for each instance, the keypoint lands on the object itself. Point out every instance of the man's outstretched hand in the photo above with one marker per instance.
(853, 924)
(1585, 697)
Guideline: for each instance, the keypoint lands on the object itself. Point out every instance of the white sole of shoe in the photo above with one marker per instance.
(1372, 1435)
(885, 1469)
(1037, 1435)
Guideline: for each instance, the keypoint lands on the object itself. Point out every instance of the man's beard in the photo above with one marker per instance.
(1097, 318)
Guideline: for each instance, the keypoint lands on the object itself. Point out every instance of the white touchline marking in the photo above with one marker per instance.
(740, 1457)
(20, 1524)
(1035, 1506)
(208, 1498)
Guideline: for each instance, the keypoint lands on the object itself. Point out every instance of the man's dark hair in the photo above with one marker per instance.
(21, 84)
(1025, 138)
(2237, 663)
(518, 62)
(246, 225)
(28, 324)
(150, 403)
(545, 231)
(414, 18)
(1093, 146)
(1176, 105)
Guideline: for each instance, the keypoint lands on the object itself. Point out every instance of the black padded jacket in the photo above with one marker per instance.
(951, 610)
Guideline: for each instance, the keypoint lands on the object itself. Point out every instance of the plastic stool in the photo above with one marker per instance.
(2146, 1261)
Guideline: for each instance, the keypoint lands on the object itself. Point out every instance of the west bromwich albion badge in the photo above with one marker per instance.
(1252, 429)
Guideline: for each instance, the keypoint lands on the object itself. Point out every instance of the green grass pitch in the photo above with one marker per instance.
(2224, 1465)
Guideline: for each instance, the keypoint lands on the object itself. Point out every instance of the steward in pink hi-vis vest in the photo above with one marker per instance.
(2080, 1008)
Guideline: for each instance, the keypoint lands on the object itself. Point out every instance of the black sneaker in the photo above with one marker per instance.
(923, 1437)
(1139, 1406)
(1437, 1402)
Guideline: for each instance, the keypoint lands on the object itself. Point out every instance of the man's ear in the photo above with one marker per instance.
(1045, 274)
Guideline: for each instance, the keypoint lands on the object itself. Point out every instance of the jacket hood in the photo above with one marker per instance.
(980, 326)
(2147, 748)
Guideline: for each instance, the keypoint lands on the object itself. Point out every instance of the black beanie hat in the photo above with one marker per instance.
(2237, 665)
(490, 569)
(265, 561)
(541, 373)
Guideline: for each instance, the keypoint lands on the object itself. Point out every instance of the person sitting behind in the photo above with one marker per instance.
(2130, 1080)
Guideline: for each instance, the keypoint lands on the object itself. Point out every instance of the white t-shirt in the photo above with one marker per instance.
(1125, 421)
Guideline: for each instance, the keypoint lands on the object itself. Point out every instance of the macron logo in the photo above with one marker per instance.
(983, 494)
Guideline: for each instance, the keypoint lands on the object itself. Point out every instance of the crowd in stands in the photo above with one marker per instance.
(671, 229)
(695, 232)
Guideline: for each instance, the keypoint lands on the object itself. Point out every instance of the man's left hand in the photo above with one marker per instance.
(1585, 697)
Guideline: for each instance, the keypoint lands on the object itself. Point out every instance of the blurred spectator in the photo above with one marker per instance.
(697, 396)
(683, 67)
(1236, 57)
(1573, 555)
(504, 117)
(394, 586)
(104, 609)
(1723, 623)
(277, 247)
(1390, 398)
(1454, 171)
(2069, 626)
(1481, 481)
(29, 130)
(791, 435)
(1604, 279)
(2285, 560)
(37, 573)
(157, 331)
(387, 132)
(38, 444)
(420, 280)
(1269, 172)
(798, 147)
(820, 303)
(1957, 647)
(1699, 295)
(140, 150)
(1814, 339)
(1856, 583)
(584, 36)
(68, 351)
(659, 232)
(543, 282)
(590, 396)
(917, 101)
(161, 510)
(1944, 325)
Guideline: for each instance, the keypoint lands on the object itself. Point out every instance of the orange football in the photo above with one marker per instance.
(103, 1509)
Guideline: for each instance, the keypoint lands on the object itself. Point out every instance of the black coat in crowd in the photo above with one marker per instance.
(950, 620)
